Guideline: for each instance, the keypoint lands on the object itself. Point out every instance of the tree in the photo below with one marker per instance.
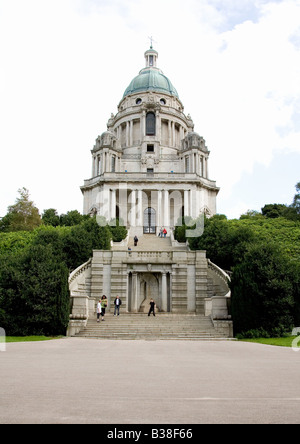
(22, 216)
(273, 210)
(34, 294)
(263, 292)
(296, 201)
(72, 218)
(50, 217)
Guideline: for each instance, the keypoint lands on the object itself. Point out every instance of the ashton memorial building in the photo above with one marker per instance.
(150, 170)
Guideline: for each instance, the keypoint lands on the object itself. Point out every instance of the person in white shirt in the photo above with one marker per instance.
(99, 310)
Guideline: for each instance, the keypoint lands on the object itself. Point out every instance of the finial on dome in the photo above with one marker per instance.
(151, 42)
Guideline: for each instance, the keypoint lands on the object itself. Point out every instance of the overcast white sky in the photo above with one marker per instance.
(65, 64)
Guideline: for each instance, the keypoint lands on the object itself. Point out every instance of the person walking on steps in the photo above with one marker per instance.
(135, 240)
(98, 310)
(152, 307)
(117, 303)
(103, 306)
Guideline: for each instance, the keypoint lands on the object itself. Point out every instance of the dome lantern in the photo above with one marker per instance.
(151, 78)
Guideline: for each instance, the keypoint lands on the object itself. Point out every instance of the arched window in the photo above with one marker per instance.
(150, 124)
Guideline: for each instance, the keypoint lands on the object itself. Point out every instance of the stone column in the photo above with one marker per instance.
(158, 126)
(173, 134)
(131, 133)
(133, 208)
(159, 209)
(105, 202)
(107, 283)
(192, 170)
(134, 292)
(166, 209)
(127, 133)
(186, 203)
(113, 204)
(191, 206)
(140, 209)
(143, 125)
(191, 288)
(164, 293)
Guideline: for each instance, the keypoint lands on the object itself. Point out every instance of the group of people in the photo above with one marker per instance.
(162, 232)
(102, 304)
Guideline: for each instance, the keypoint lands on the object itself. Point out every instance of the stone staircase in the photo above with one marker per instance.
(150, 242)
(164, 326)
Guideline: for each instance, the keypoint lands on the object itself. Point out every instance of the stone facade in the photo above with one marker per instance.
(179, 280)
(150, 168)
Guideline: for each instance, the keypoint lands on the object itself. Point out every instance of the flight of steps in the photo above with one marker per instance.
(164, 326)
(151, 242)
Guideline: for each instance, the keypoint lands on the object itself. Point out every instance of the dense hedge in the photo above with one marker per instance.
(263, 255)
(34, 270)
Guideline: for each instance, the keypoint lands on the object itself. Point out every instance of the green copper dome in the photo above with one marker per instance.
(150, 79)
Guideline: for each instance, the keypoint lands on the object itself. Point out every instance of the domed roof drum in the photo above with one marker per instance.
(151, 78)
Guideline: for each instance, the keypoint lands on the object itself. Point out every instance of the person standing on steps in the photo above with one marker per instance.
(135, 240)
(152, 307)
(165, 232)
(103, 306)
(98, 310)
(117, 303)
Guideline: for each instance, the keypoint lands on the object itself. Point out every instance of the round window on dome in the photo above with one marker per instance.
(162, 101)
(138, 101)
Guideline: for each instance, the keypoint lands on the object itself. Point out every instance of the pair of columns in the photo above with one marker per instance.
(162, 213)
(135, 289)
(106, 162)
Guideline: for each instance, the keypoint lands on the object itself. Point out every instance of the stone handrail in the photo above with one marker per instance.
(79, 270)
(219, 271)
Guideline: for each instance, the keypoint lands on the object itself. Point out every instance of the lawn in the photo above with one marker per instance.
(29, 338)
(282, 342)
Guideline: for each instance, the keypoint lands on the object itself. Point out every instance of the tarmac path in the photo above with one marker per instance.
(91, 381)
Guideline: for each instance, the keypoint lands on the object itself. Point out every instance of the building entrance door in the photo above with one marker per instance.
(143, 286)
(149, 221)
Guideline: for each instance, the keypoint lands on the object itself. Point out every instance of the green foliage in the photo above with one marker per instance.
(22, 216)
(226, 241)
(81, 240)
(34, 270)
(50, 217)
(71, 218)
(34, 293)
(15, 241)
(279, 210)
(117, 229)
(264, 255)
(263, 291)
(296, 201)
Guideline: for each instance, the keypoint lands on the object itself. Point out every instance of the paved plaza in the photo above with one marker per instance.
(75, 380)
